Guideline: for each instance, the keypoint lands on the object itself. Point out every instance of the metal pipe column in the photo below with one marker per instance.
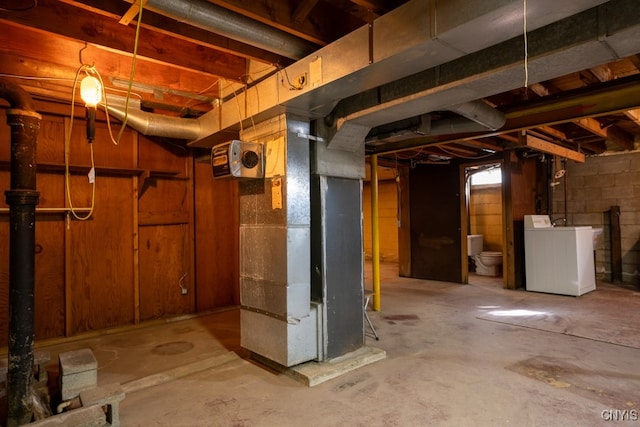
(22, 200)
(375, 233)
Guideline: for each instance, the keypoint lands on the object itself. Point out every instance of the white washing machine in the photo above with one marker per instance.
(558, 260)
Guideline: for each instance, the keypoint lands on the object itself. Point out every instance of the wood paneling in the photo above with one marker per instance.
(164, 260)
(51, 140)
(165, 238)
(106, 153)
(404, 229)
(49, 283)
(485, 212)
(161, 156)
(217, 240)
(124, 264)
(102, 266)
(164, 195)
(388, 220)
(519, 198)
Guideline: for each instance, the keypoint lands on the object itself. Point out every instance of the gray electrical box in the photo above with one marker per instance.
(239, 159)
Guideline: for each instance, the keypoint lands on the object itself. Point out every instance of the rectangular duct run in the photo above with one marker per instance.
(278, 319)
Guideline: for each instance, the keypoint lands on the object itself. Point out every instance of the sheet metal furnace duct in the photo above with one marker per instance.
(414, 37)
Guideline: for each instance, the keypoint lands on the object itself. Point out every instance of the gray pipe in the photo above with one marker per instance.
(22, 200)
(210, 17)
(481, 113)
(152, 124)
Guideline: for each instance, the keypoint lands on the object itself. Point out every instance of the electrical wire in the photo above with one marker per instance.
(291, 85)
(410, 156)
(17, 76)
(131, 75)
(526, 49)
(235, 96)
(90, 69)
(63, 79)
(67, 144)
(464, 157)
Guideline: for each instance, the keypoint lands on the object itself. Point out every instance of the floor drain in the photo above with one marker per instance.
(172, 348)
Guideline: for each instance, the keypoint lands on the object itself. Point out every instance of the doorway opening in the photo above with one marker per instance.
(484, 223)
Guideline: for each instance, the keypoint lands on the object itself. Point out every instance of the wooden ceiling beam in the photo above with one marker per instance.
(180, 30)
(603, 73)
(592, 125)
(551, 148)
(323, 26)
(508, 138)
(55, 81)
(303, 9)
(52, 63)
(482, 144)
(618, 139)
(53, 17)
(634, 115)
(376, 8)
(539, 89)
(557, 134)
(453, 148)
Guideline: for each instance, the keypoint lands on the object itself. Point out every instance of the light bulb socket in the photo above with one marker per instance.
(91, 124)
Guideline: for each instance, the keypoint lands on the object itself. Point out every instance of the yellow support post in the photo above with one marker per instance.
(375, 234)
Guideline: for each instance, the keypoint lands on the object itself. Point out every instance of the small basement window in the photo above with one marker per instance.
(487, 177)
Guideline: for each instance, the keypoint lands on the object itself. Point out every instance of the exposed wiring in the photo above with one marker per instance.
(88, 69)
(526, 50)
(17, 76)
(238, 104)
(131, 75)
(411, 156)
(291, 86)
(113, 89)
(63, 79)
(464, 157)
(249, 79)
(246, 90)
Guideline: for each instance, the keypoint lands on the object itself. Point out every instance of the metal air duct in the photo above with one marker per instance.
(414, 37)
(211, 17)
(478, 117)
(22, 200)
(407, 47)
(152, 124)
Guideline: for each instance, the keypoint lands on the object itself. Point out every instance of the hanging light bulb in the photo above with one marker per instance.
(91, 91)
(91, 94)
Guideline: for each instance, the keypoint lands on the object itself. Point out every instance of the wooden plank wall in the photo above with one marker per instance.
(217, 259)
(132, 259)
(520, 188)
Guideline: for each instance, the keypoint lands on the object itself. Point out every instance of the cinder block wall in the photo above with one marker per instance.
(485, 215)
(592, 188)
(388, 218)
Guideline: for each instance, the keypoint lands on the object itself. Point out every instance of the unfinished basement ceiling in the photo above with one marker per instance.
(183, 69)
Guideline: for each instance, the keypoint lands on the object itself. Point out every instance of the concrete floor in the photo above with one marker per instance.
(445, 364)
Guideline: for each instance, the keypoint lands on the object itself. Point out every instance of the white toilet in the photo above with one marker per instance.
(487, 262)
